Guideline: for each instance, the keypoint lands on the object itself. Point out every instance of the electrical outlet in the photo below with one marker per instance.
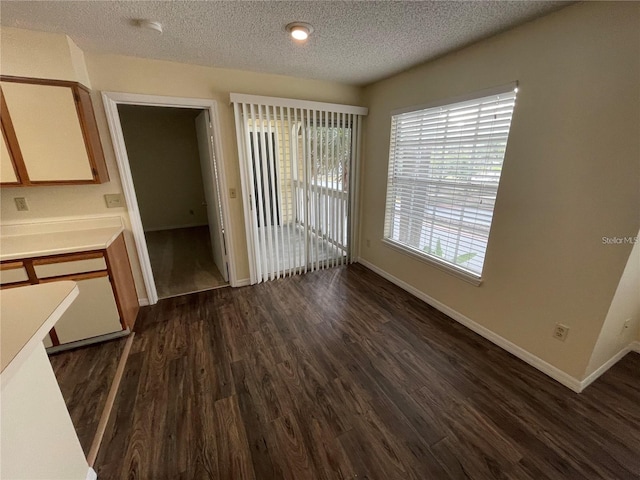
(21, 204)
(233, 193)
(114, 200)
(560, 332)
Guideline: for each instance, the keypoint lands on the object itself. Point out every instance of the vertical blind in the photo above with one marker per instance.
(444, 169)
(299, 164)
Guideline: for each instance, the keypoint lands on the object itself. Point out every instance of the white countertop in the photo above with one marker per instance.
(52, 238)
(26, 316)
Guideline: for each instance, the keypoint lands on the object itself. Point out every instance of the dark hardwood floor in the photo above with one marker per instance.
(341, 374)
(85, 376)
(182, 261)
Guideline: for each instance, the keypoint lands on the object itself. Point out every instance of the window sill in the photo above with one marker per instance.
(467, 277)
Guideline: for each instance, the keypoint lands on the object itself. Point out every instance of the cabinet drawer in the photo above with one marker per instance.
(69, 267)
(13, 273)
(94, 312)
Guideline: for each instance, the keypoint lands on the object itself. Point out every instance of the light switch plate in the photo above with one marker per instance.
(114, 200)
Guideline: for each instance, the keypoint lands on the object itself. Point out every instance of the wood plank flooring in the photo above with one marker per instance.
(339, 374)
(182, 261)
(85, 376)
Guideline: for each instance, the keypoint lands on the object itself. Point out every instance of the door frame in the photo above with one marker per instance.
(111, 100)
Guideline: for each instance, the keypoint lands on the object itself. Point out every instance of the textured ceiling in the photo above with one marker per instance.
(353, 42)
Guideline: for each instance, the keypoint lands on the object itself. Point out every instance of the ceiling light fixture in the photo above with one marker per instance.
(299, 30)
(151, 25)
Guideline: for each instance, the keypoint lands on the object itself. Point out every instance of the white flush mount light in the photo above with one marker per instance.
(151, 25)
(299, 30)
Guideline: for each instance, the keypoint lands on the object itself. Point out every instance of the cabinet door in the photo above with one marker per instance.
(94, 312)
(48, 130)
(7, 169)
(11, 164)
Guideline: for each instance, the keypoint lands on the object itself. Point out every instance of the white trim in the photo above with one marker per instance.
(303, 104)
(93, 216)
(245, 282)
(91, 474)
(70, 225)
(487, 92)
(111, 101)
(223, 189)
(546, 368)
(456, 272)
(246, 187)
(635, 346)
(604, 367)
(158, 100)
(143, 302)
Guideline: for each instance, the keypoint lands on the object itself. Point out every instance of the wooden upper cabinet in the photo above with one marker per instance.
(8, 174)
(50, 136)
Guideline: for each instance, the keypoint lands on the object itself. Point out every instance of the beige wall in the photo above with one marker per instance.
(162, 147)
(151, 77)
(571, 176)
(614, 336)
(45, 55)
(133, 75)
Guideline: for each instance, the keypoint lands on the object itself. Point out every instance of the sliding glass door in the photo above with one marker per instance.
(298, 171)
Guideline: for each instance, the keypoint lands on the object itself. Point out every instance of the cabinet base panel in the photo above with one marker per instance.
(88, 341)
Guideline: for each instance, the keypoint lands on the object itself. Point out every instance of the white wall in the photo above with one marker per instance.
(165, 164)
(38, 440)
(571, 176)
(614, 336)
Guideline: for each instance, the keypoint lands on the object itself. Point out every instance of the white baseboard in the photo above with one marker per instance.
(143, 302)
(524, 355)
(91, 474)
(635, 347)
(243, 282)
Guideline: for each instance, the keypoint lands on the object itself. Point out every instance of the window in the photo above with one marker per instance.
(444, 169)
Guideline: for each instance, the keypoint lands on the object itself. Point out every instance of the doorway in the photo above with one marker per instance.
(168, 158)
(167, 149)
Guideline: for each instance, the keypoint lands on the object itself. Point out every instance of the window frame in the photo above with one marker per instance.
(456, 270)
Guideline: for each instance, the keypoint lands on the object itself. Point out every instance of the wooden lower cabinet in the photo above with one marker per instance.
(107, 303)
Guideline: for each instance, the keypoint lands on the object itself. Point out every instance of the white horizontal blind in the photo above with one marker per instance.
(444, 170)
(298, 174)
